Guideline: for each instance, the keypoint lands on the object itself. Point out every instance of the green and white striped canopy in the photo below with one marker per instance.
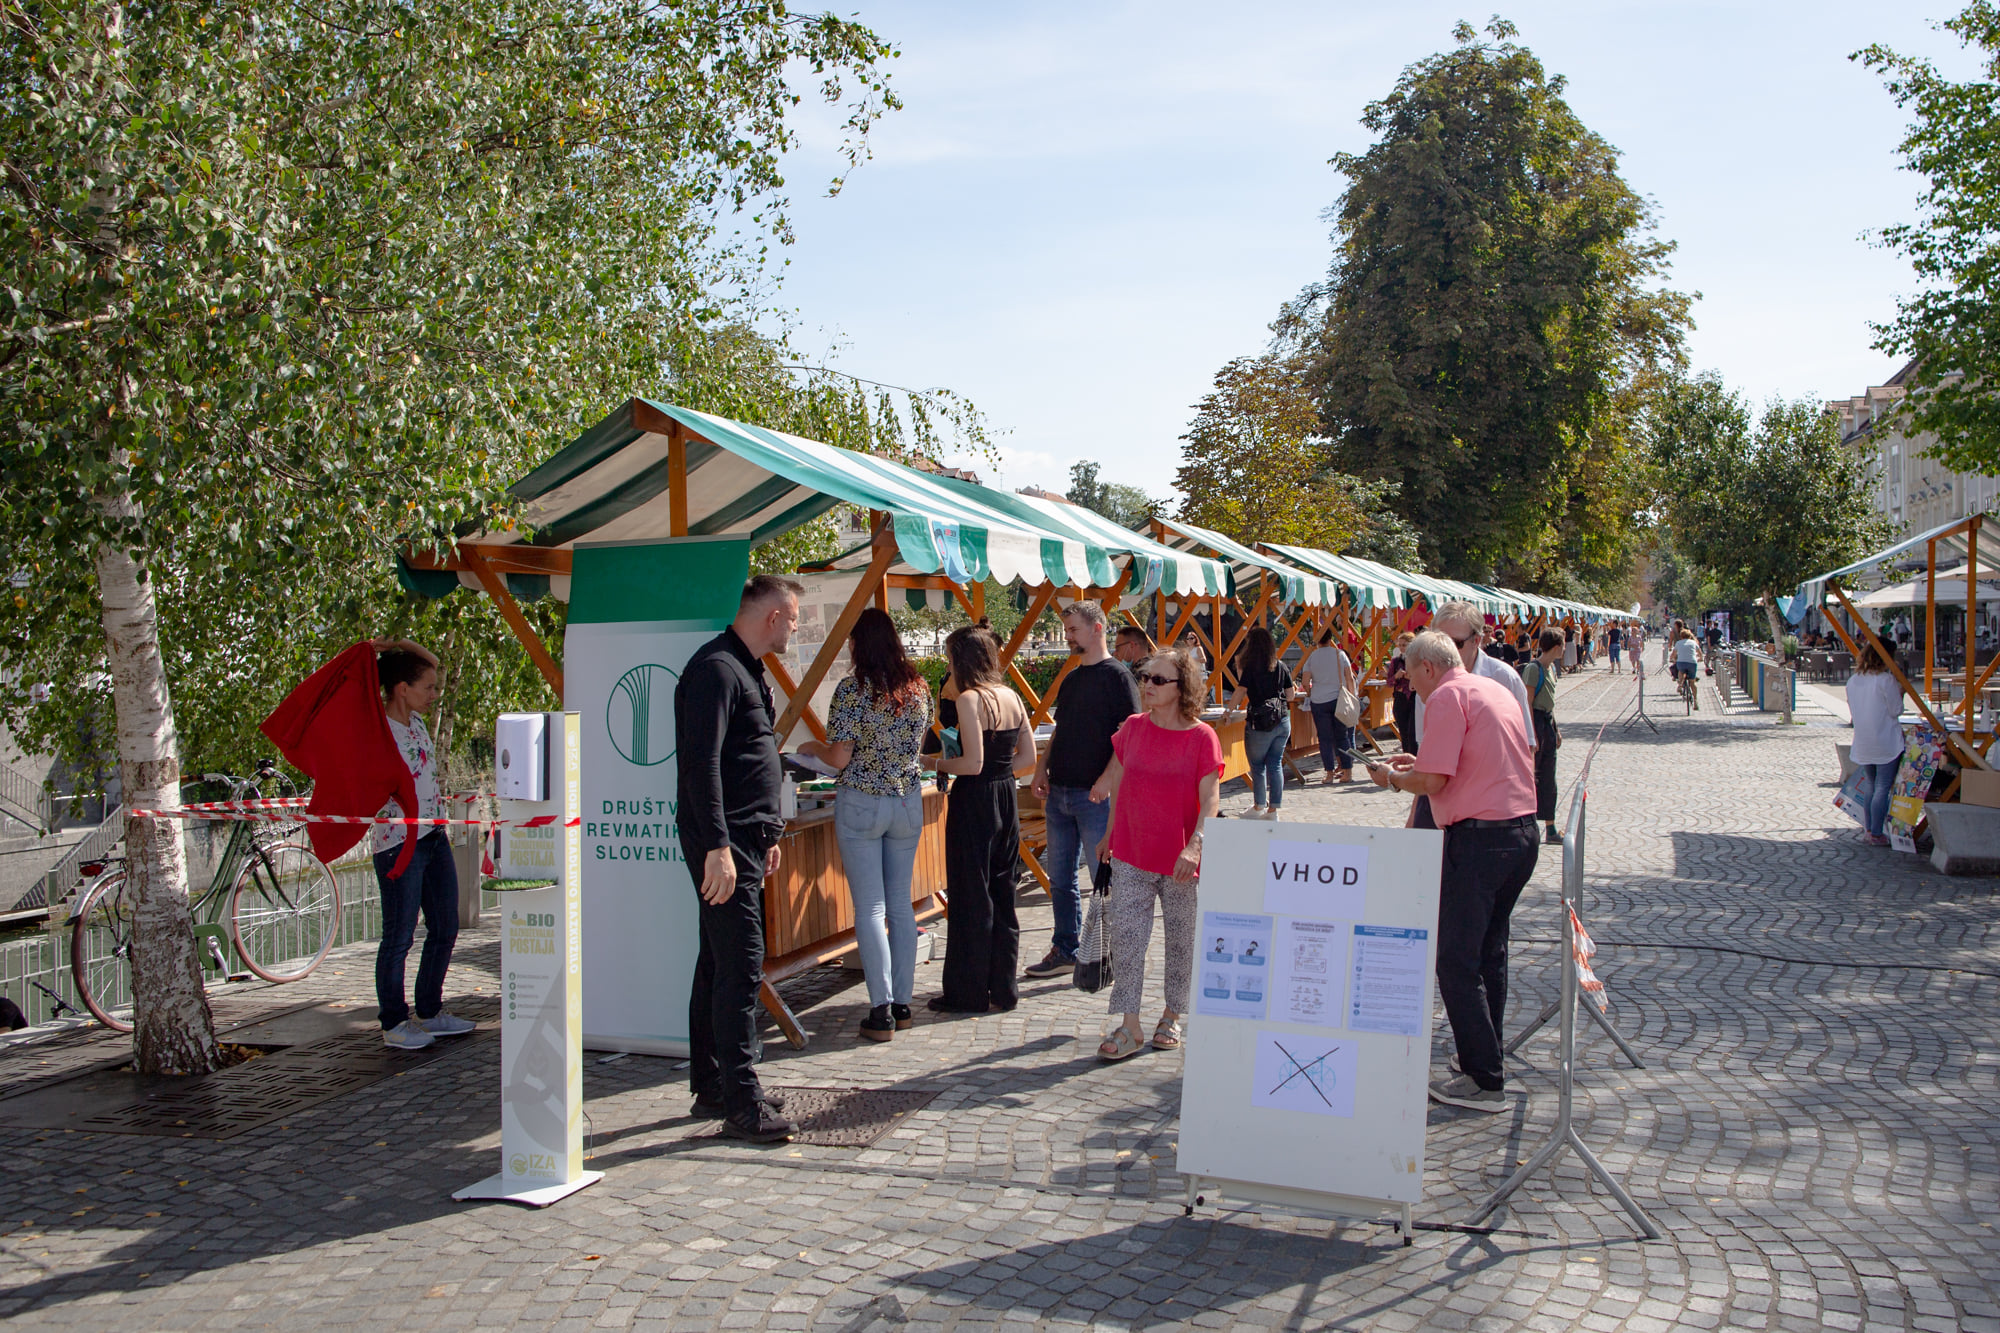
(611, 485)
(1295, 587)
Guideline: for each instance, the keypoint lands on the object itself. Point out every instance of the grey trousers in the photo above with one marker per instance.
(1133, 892)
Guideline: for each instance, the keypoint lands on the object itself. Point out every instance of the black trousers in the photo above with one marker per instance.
(722, 1006)
(1403, 707)
(982, 861)
(1545, 766)
(1485, 870)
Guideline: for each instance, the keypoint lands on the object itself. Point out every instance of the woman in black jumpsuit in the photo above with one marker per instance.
(982, 831)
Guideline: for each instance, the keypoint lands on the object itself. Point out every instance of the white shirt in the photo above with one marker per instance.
(1875, 702)
(1685, 652)
(414, 744)
(1494, 669)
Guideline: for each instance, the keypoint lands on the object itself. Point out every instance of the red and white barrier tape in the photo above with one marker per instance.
(297, 816)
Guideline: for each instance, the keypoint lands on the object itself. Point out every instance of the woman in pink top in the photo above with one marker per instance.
(1163, 781)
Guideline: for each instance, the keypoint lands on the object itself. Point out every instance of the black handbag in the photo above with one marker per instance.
(1093, 950)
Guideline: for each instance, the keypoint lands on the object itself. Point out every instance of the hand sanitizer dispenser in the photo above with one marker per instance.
(521, 757)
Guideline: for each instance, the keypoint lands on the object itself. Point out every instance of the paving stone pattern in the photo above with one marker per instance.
(1814, 1131)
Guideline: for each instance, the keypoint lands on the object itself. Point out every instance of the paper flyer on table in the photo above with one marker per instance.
(1233, 965)
(1309, 972)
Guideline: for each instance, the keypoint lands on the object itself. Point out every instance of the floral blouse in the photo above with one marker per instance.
(885, 740)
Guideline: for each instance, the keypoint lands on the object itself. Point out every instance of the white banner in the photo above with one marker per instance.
(640, 924)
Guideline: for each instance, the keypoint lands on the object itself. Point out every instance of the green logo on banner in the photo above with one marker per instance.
(640, 714)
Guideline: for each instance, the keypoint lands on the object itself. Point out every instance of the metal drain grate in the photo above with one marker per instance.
(846, 1117)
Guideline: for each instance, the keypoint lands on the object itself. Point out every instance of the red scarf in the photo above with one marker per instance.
(334, 729)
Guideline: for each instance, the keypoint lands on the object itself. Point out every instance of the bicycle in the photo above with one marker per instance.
(282, 904)
(1686, 686)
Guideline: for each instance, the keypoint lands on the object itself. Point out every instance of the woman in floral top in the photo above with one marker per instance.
(875, 727)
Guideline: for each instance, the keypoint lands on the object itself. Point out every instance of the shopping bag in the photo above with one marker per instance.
(1093, 949)
(1347, 708)
(1850, 800)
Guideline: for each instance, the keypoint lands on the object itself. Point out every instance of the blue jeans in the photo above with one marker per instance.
(429, 885)
(1266, 753)
(1881, 785)
(1076, 824)
(878, 838)
(1336, 738)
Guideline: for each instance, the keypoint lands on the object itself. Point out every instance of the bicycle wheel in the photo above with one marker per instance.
(100, 951)
(284, 911)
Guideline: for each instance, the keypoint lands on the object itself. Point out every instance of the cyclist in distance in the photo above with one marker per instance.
(429, 884)
(1686, 659)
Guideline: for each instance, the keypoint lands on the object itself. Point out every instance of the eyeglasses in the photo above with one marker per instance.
(1152, 679)
(1467, 639)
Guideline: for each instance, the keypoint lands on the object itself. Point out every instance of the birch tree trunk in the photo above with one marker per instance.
(173, 1031)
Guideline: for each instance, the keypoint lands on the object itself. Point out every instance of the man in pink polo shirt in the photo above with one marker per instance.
(1476, 767)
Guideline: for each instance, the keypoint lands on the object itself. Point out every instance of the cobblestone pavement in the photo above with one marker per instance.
(1813, 1130)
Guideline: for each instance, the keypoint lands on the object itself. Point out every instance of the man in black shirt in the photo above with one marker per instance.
(727, 814)
(1096, 697)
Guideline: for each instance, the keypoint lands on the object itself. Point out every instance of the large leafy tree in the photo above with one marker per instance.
(1121, 502)
(288, 284)
(1254, 466)
(1494, 286)
(1762, 509)
(1951, 325)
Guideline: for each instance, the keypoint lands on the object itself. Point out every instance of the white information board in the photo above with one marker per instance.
(541, 993)
(1308, 1052)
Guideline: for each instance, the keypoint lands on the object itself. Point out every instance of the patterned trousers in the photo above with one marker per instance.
(1133, 892)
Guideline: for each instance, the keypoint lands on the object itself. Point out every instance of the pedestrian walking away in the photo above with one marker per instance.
(875, 726)
(982, 829)
(726, 758)
(1614, 643)
(1475, 771)
(1095, 698)
(1875, 703)
(1266, 695)
(1403, 699)
(1539, 676)
(1325, 673)
(428, 885)
(1163, 784)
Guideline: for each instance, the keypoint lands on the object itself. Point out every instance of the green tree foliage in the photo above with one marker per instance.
(1493, 289)
(287, 286)
(1254, 467)
(1763, 510)
(1122, 503)
(1948, 326)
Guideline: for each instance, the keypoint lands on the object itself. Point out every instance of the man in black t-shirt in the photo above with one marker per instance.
(1096, 697)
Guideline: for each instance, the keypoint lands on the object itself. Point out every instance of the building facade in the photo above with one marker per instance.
(1914, 491)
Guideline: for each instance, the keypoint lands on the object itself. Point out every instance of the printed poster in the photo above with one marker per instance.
(1315, 879)
(1921, 757)
(1297, 1072)
(1232, 965)
(1309, 980)
(1391, 967)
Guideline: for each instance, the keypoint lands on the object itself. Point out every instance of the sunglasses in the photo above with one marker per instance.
(1152, 679)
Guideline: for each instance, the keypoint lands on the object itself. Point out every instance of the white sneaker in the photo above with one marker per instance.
(408, 1035)
(446, 1024)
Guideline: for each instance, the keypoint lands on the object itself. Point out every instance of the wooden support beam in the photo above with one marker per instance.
(1047, 702)
(1010, 649)
(776, 666)
(510, 611)
(1923, 705)
(677, 481)
(864, 592)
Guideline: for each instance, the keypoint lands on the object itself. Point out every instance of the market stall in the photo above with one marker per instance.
(644, 525)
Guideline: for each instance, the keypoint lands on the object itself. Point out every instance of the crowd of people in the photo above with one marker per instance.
(1127, 779)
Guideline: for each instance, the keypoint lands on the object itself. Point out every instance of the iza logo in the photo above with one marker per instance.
(640, 715)
(532, 1163)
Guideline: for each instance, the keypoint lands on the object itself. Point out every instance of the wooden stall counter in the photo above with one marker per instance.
(808, 913)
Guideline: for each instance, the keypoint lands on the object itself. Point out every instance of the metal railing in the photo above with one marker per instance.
(1564, 1011)
(26, 800)
(67, 872)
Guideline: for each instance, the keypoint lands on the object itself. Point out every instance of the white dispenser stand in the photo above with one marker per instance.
(541, 957)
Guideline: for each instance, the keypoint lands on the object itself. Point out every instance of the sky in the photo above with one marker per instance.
(1084, 210)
